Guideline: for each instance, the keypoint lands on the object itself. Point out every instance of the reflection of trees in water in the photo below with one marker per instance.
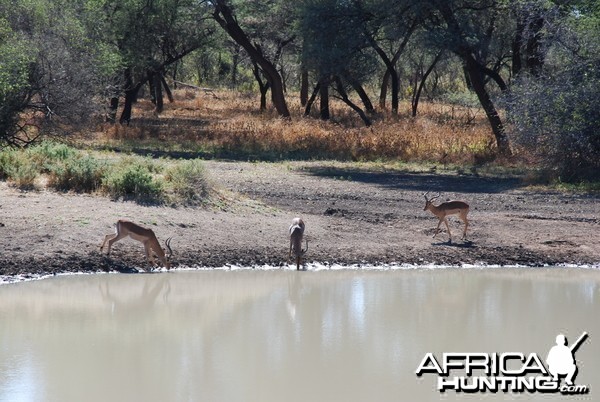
(271, 330)
(150, 293)
(294, 289)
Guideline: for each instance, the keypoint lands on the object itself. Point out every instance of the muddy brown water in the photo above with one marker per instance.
(282, 335)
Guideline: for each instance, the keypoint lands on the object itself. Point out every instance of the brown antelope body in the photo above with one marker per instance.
(144, 235)
(459, 208)
(296, 236)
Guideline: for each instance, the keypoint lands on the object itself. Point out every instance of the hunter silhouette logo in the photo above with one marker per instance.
(508, 372)
(561, 358)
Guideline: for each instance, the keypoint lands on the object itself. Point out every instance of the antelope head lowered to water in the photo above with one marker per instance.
(447, 208)
(124, 228)
(296, 235)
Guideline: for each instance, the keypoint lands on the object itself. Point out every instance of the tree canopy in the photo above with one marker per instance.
(532, 65)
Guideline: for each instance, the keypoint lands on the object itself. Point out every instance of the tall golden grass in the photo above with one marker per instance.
(226, 123)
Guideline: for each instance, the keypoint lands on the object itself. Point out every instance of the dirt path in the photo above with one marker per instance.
(353, 215)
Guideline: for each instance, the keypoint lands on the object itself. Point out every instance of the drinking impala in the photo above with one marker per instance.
(144, 235)
(296, 235)
(447, 208)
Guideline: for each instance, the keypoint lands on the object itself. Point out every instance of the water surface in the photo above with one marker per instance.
(282, 335)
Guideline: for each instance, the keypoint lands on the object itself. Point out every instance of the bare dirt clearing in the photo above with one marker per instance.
(353, 214)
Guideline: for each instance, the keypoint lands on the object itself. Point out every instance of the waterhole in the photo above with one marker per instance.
(282, 335)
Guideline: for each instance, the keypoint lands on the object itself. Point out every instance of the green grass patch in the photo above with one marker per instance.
(581, 187)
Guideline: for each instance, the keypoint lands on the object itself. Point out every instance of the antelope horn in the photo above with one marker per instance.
(168, 244)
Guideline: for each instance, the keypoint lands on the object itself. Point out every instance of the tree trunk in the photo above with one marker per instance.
(131, 91)
(362, 94)
(347, 101)
(303, 86)
(324, 96)
(384, 88)
(417, 95)
(310, 101)
(516, 47)
(476, 78)
(225, 18)
(474, 72)
(262, 86)
(152, 87)
(534, 60)
(234, 67)
(392, 73)
(167, 89)
(111, 116)
(158, 93)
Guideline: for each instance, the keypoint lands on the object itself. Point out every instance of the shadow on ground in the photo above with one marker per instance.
(434, 182)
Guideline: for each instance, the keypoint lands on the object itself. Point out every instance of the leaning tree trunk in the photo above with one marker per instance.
(228, 22)
(476, 78)
(347, 101)
(131, 92)
(311, 100)
(262, 86)
(362, 94)
(167, 88)
(390, 71)
(393, 74)
(417, 93)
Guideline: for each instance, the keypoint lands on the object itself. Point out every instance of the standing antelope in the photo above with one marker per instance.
(447, 208)
(144, 235)
(296, 235)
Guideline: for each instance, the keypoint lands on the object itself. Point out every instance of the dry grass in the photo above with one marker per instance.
(228, 124)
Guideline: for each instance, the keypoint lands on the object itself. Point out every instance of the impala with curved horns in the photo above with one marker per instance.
(296, 235)
(124, 228)
(441, 211)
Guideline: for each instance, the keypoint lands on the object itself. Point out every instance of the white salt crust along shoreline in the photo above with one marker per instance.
(310, 267)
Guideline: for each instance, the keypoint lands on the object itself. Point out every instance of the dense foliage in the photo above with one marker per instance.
(531, 65)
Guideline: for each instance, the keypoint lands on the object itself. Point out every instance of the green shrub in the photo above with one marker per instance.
(132, 181)
(80, 174)
(47, 154)
(8, 159)
(187, 181)
(16, 167)
(130, 177)
(23, 175)
(54, 151)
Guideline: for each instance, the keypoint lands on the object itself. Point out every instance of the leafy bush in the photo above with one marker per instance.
(556, 118)
(187, 181)
(132, 181)
(8, 159)
(15, 69)
(136, 178)
(52, 151)
(80, 174)
(23, 174)
(18, 168)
